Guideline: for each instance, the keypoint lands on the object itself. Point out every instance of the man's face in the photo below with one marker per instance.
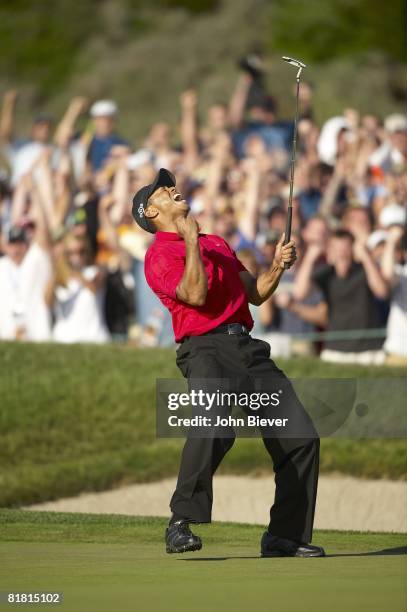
(75, 252)
(357, 221)
(340, 250)
(217, 117)
(41, 131)
(104, 125)
(16, 251)
(315, 231)
(225, 224)
(166, 205)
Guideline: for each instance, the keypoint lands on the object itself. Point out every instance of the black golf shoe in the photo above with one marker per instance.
(179, 538)
(273, 546)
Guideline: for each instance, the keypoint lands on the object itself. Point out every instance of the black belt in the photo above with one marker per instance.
(226, 328)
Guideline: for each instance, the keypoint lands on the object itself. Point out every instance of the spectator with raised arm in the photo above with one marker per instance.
(104, 114)
(21, 154)
(349, 282)
(76, 292)
(394, 269)
(25, 270)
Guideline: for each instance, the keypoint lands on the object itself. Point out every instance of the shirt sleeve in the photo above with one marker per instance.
(163, 273)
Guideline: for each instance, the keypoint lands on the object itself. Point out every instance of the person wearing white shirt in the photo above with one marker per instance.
(394, 268)
(77, 295)
(25, 270)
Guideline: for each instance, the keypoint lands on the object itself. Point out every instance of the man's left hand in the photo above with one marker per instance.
(285, 254)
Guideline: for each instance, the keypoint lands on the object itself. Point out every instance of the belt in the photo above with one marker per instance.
(232, 329)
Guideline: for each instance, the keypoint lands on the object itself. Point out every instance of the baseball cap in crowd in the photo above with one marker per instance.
(393, 214)
(17, 234)
(103, 108)
(396, 123)
(164, 178)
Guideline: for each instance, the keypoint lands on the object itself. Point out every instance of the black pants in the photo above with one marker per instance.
(295, 460)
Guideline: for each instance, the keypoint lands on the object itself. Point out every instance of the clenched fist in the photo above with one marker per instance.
(285, 254)
(187, 228)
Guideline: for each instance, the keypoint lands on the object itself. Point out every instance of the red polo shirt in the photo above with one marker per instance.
(226, 300)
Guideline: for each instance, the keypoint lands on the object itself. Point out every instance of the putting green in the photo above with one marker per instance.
(109, 563)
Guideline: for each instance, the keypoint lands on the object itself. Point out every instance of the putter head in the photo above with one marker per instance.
(294, 62)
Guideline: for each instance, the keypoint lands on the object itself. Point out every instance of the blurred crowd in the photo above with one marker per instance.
(71, 264)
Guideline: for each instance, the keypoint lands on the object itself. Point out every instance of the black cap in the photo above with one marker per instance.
(164, 178)
(17, 234)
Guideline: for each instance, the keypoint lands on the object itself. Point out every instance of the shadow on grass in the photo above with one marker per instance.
(399, 550)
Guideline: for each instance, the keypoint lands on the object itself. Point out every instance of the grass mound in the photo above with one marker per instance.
(82, 418)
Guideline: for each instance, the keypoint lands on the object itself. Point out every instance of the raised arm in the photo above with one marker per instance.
(303, 277)
(375, 280)
(388, 261)
(45, 185)
(193, 286)
(216, 167)
(66, 126)
(189, 128)
(259, 289)
(237, 104)
(7, 115)
(106, 223)
(42, 234)
(249, 217)
(326, 208)
(120, 189)
(19, 200)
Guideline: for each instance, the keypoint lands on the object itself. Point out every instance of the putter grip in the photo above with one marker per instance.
(288, 229)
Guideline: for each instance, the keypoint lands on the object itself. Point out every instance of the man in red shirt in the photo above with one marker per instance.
(207, 290)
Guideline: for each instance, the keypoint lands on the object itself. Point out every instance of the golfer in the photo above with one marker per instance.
(207, 290)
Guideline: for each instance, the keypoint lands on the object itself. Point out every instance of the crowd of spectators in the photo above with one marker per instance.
(71, 268)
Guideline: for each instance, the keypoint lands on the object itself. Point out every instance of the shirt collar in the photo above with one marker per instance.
(167, 236)
(171, 235)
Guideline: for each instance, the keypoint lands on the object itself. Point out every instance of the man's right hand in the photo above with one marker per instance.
(187, 228)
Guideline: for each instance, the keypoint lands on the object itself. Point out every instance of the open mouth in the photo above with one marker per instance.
(177, 197)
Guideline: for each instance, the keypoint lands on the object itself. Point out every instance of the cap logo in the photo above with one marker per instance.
(140, 210)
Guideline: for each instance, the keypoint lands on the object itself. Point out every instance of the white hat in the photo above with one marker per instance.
(396, 123)
(393, 214)
(376, 238)
(141, 157)
(328, 139)
(103, 108)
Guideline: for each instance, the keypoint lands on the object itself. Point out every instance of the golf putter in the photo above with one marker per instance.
(300, 66)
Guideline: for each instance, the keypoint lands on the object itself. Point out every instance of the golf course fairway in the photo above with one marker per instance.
(118, 563)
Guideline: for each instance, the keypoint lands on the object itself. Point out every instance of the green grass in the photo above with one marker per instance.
(82, 418)
(105, 563)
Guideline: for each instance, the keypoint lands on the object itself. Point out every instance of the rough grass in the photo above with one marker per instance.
(82, 418)
(105, 562)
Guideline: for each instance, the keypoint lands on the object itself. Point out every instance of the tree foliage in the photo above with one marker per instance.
(318, 30)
